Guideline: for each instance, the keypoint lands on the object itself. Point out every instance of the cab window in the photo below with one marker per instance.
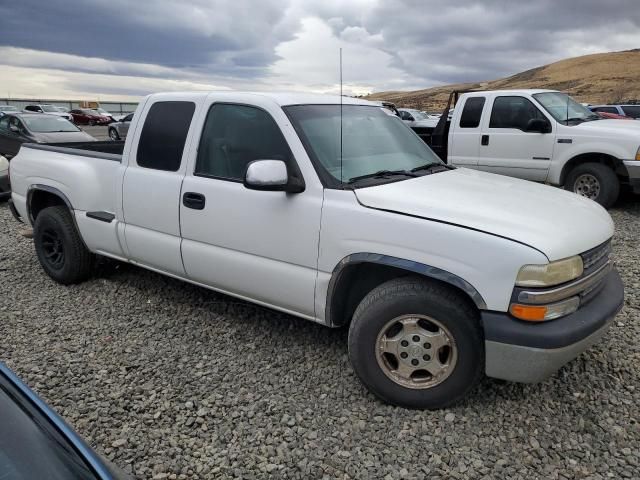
(164, 135)
(235, 135)
(513, 112)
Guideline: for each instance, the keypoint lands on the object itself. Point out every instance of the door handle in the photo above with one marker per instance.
(193, 200)
(484, 140)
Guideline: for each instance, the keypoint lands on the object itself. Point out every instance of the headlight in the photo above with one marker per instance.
(553, 273)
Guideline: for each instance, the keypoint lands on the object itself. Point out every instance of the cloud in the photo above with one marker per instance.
(120, 47)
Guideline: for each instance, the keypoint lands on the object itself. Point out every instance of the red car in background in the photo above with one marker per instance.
(86, 116)
(613, 115)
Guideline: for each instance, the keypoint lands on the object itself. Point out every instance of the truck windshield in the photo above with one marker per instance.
(48, 124)
(564, 108)
(372, 141)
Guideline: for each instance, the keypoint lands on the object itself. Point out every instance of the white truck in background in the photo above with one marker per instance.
(334, 211)
(540, 135)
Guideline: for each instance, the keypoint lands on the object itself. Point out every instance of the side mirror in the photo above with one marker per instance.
(14, 128)
(538, 125)
(271, 175)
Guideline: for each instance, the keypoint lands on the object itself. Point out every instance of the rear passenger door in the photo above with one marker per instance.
(152, 182)
(465, 141)
(507, 148)
(259, 245)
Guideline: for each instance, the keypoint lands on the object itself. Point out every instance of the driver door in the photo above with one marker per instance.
(259, 245)
(505, 145)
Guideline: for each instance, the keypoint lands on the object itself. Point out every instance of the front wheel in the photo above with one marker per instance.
(595, 181)
(59, 248)
(416, 344)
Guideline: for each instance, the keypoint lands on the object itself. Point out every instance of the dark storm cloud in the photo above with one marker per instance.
(435, 41)
(455, 41)
(229, 37)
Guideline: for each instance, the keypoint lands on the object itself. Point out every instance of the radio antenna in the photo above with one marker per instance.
(340, 114)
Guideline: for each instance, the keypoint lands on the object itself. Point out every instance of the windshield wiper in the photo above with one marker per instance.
(431, 167)
(588, 118)
(383, 174)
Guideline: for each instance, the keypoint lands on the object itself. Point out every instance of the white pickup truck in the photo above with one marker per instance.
(544, 136)
(341, 215)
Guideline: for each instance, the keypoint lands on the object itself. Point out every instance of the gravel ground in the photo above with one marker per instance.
(172, 381)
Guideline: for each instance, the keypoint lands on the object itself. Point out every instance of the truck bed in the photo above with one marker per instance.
(106, 150)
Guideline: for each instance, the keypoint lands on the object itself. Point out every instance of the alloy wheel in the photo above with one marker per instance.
(416, 351)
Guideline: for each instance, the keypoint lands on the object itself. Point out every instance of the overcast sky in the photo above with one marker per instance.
(119, 49)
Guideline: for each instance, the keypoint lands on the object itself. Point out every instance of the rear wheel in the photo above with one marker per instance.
(113, 134)
(59, 247)
(416, 344)
(595, 181)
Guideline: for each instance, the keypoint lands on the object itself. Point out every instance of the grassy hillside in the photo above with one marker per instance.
(599, 78)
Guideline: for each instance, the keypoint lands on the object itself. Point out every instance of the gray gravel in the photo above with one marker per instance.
(172, 381)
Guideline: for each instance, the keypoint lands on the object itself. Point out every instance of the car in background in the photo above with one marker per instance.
(4, 109)
(112, 116)
(5, 187)
(37, 443)
(87, 116)
(632, 111)
(613, 116)
(62, 109)
(118, 130)
(19, 128)
(48, 109)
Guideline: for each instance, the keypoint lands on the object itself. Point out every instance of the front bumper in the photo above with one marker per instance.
(530, 352)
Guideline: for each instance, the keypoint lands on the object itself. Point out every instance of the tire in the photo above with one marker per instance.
(595, 181)
(92, 123)
(405, 298)
(59, 248)
(113, 134)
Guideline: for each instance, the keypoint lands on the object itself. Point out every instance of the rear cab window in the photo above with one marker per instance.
(164, 135)
(472, 112)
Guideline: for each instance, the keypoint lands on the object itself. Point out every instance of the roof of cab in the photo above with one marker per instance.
(282, 98)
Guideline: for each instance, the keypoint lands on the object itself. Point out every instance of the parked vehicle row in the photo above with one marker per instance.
(443, 274)
(540, 135)
(17, 129)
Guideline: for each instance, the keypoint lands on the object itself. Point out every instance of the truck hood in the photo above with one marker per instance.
(556, 222)
(610, 126)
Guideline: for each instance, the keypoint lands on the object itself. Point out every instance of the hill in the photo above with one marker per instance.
(599, 78)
